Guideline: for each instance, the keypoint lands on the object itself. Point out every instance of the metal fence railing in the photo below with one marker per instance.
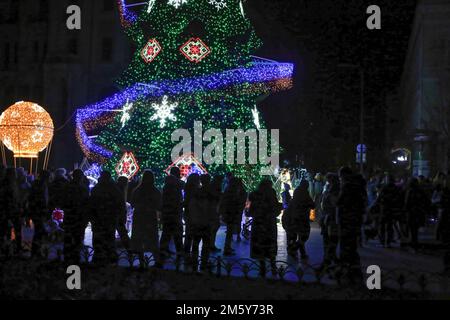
(398, 279)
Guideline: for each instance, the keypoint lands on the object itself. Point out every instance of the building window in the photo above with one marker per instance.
(38, 93)
(72, 46)
(44, 49)
(16, 53)
(14, 11)
(43, 10)
(448, 54)
(25, 92)
(106, 92)
(107, 48)
(108, 5)
(36, 51)
(6, 58)
(9, 94)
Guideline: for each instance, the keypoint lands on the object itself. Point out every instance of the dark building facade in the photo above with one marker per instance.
(425, 90)
(42, 61)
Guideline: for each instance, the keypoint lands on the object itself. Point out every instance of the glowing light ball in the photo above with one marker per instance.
(26, 129)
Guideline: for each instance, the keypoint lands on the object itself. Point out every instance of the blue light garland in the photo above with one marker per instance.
(127, 17)
(260, 71)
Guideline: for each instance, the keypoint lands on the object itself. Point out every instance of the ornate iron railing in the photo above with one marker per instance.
(303, 273)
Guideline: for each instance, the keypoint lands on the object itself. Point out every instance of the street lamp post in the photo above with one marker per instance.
(361, 109)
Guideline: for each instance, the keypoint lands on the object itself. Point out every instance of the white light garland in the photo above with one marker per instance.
(219, 4)
(177, 3)
(164, 111)
(125, 113)
(241, 5)
(39, 124)
(7, 143)
(37, 136)
(151, 4)
(256, 121)
(38, 108)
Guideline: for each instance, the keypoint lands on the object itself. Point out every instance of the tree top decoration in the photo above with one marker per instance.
(194, 62)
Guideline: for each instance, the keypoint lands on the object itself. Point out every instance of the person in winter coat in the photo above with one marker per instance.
(231, 209)
(215, 198)
(391, 200)
(9, 206)
(74, 205)
(434, 211)
(192, 187)
(417, 205)
(445, 224)
(56, 189)
(264, 209)
(352, 204)
(123, 185)
(296, 220)
(200, 213)
(105, 207)
(146, 201)
(329, 227)
(172, 211)
(23, 187)
(38, 210)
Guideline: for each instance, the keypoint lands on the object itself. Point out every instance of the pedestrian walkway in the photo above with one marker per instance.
(394, 258)
(398, 265)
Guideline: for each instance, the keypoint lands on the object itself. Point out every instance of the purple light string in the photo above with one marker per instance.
(257, 73)
(127, 16)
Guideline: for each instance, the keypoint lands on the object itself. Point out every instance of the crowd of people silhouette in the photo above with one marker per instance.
(348, 209)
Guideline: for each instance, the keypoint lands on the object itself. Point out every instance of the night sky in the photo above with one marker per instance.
(319, 117)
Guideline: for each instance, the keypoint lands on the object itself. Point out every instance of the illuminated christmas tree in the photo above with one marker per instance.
(193, 63)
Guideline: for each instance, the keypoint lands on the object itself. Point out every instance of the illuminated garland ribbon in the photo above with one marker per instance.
(127, 17)
(260, 71)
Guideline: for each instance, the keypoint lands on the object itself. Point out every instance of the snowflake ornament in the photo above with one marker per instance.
(241, 6)
(151, 4)
(7, 142)
(37, 136)
(177, 3)
(126, 113)
(37, 108)
(164, 111)
(39, 125)
(24, 144)
(256, 121)
(218, 4)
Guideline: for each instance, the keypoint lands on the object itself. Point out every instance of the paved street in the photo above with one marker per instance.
(394, 262)
(371, 253)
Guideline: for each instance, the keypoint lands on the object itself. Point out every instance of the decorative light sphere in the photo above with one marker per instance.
(26, 129)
